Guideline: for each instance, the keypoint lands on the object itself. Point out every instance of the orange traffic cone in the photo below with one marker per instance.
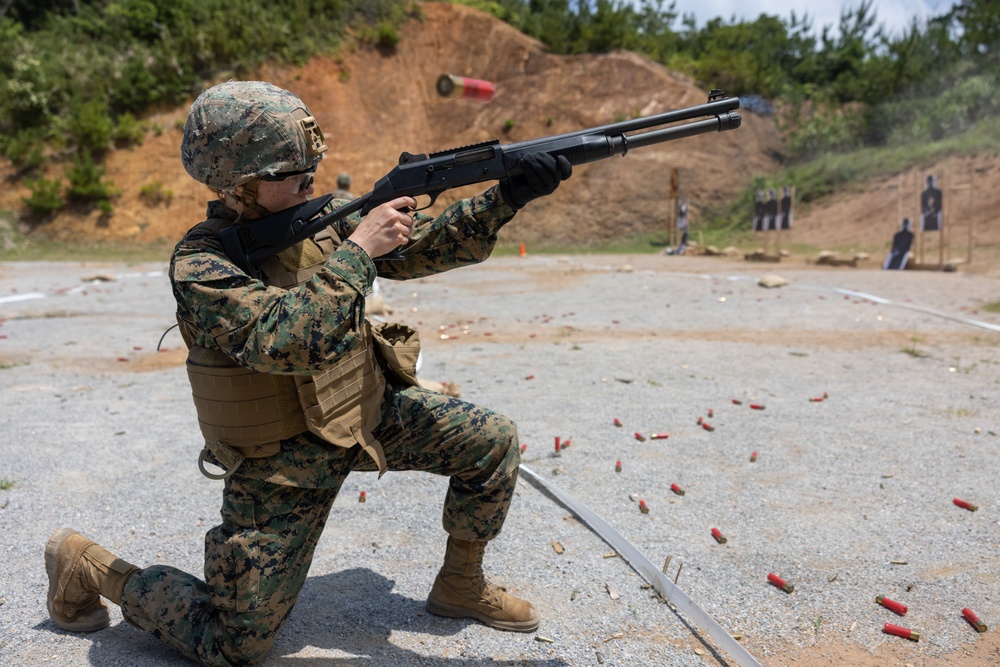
(523, 251)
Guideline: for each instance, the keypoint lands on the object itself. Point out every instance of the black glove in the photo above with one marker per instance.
(540, 175)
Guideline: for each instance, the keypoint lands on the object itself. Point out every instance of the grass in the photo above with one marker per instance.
(6, 484)
(992, 307)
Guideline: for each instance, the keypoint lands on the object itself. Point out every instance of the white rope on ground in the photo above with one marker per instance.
(666, 588)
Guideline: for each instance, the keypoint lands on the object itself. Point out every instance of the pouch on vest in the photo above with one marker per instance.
(343, 404)
(398, 348)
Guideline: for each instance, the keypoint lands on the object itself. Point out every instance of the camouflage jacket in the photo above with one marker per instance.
(302, 331)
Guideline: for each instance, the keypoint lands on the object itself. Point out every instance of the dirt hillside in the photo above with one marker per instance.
(373, 104)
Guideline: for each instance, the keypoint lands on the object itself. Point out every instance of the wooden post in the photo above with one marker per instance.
(968, 251)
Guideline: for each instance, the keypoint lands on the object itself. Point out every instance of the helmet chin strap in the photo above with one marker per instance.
(246, 194)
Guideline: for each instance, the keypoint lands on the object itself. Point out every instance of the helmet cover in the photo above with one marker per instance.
(240, 130)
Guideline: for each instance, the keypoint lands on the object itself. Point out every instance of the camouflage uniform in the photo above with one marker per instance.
(274, 508)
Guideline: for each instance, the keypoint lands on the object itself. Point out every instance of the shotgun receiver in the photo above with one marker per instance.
(253, 241)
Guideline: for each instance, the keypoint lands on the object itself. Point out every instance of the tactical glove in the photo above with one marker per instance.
(540, 175)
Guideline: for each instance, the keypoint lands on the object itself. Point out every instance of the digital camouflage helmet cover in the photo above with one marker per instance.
(240, 130)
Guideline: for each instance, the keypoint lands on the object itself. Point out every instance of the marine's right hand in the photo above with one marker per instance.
(386, 227)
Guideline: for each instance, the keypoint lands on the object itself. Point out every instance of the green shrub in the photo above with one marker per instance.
(155, 194)
(24, 150)
(128, 130)
(91, 126)
(45, 195)
(86, 180)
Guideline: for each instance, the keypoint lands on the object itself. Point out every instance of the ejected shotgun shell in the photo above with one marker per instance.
(558, 446)
(707, 426)
(618, 466)
(524, 447)
(449, 85)
(711, 413)
(905, 633)
(891, 605)
(676, 489)
(618, 422)
(753, 456)
(756, 406)
(780, 583)
(717, 534)
(737, 401)
(659, 436)
(362, 497)
(971, 617)
(566, 443)
(639, 436)
(643, 507)
(816, 399)
(965, 505)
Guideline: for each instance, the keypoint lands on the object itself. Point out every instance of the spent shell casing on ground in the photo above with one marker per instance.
(618, 422)
(676, 489)
(973, 620)
(719, 537)
(449, 85)
(780, 583)
(659, 436)
(618, 466)
(756, 406)
(639, 436)
(362, 497)
(891, 605)
(965, 505)
(900, 631)
(643, 507)
(753, 456)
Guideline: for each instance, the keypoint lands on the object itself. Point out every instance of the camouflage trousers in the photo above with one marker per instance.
(257, 560)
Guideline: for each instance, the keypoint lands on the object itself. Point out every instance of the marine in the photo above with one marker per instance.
(294, 388)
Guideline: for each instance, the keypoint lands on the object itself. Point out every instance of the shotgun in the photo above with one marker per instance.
(253, 241)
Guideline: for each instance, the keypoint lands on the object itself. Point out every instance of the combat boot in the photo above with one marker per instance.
(80, 572)
(461, 591)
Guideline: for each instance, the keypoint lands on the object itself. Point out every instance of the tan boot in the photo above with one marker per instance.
(80, 572)
(461, 591)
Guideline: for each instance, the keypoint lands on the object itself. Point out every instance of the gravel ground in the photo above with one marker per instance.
(848, 498)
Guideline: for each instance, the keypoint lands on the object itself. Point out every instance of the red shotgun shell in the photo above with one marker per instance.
(711, 413)
(891, 605)
(524, 447)
(816, 399)
(737, 401)
(557, 444)
(659, 436)
(717, 534)
(618, 466)
(362, 497)
(618, 422)
(780, 583)
(642, 507)
(676, 489)
(971, 617)
(905, 633)
(753, 457)
(756, 406)
(640, 437)
(707, 426)
(965, 505)
(449, 85)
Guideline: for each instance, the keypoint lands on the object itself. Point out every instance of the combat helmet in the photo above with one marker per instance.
(240, 131)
